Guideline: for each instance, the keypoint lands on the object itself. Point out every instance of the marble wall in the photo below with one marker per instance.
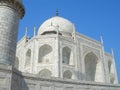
(11, 79)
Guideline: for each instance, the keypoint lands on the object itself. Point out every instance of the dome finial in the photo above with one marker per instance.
(57, 13)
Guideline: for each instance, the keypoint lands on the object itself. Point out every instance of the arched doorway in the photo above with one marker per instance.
(66, 55)
(44, 54)
(28, 59)
(91, 61)
(110, 67)
(112, 80)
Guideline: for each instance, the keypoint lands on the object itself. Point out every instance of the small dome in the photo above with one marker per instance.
(56, 23)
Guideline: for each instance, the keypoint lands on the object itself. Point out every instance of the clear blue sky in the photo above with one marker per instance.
(91, 17)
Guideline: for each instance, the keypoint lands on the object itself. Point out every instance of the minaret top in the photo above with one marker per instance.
(112, 51)
(101, 39)
(16, 4)
(26, 31)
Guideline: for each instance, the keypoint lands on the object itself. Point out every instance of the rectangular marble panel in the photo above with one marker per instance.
(58, 88)
(3, 81)
(32, 87)
(69, 88)
(4, 89)
(80, 89)
(45, 88)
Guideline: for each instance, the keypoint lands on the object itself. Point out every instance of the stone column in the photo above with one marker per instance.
(11, 11)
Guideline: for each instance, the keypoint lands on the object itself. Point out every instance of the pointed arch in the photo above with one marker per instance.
(67, 74)
(90, 61)
(109, 66)
(44, 53)
(112, 80)
(28, 58)
(66, 55)
(45, 73)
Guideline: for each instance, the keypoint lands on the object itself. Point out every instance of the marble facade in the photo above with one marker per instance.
(57, 58)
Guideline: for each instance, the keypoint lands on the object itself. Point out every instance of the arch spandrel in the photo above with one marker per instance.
(87, 50)
(93, 52)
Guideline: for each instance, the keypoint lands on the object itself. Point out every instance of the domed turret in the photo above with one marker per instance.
(56, 23)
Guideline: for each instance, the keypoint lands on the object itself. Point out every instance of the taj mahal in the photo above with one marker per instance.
(57, 57)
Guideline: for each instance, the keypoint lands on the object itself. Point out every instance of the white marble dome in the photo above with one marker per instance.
(59, 23)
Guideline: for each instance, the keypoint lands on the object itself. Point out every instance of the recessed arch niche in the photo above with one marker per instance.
(45, 54)
(67, 74)
(28, 58)
(112, 80)
(45, 73)
(67, 55)
(110, 67)
(93, 68)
